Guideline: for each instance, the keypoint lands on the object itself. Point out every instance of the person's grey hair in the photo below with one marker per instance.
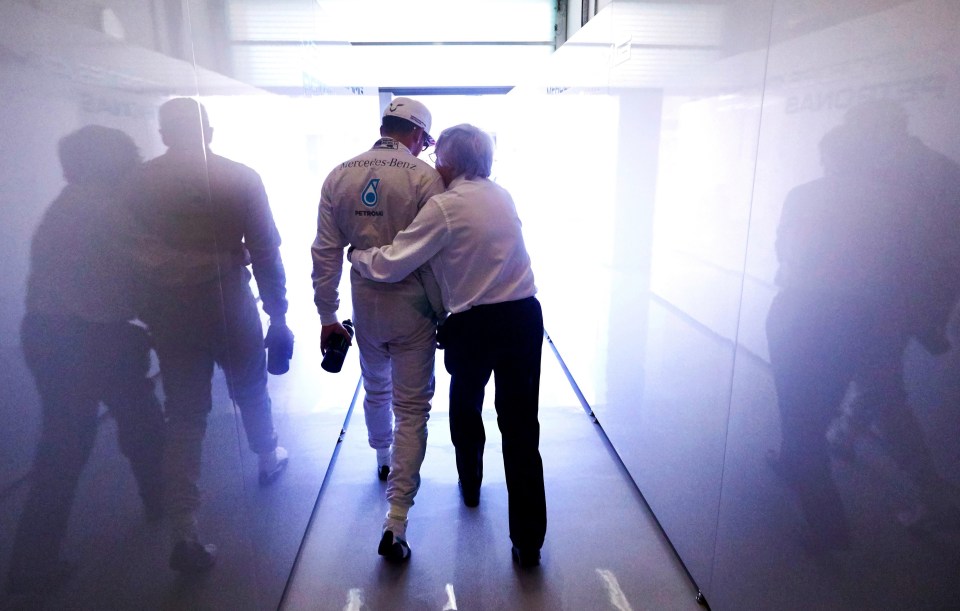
(466, 150)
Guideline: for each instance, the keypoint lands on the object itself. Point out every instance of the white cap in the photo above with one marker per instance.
(413, 111)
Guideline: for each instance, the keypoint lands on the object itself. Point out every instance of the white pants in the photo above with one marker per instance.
(396, 336)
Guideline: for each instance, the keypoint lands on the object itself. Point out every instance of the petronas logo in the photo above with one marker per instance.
(369, 195)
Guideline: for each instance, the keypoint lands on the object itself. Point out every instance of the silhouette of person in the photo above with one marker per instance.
(862, 269)
(83, 350)
(199, 220)
(925, 291)
(471, 237)
(364, 202)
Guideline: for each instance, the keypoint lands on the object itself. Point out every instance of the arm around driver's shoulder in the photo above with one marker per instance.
(484, 259)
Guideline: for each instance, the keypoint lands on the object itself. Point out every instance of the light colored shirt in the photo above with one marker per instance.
(365, 202)
(471, 236)
(199, 216)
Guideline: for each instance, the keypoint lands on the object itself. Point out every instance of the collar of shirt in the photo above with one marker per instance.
(459, 180)
(390, 144)
(456, 181)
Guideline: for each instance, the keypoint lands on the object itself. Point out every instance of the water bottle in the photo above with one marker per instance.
(279, 343)
(337, 349)
(277, 362)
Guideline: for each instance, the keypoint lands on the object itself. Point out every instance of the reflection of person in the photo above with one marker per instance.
(200, 220)
(471, 236)
(364, 202)
(82, 350)
(864, 266)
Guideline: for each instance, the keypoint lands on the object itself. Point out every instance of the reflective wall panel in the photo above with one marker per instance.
(82, 389)
(752, 208)
(647, 219)
(839, 481)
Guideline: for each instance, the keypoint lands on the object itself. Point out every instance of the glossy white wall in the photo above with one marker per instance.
(672, 133)
(649, 193)
(59, 71)
(882, 82)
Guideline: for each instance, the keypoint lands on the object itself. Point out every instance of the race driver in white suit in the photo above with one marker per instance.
(364, 203)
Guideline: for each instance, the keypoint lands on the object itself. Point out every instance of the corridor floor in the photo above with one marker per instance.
(603, 548)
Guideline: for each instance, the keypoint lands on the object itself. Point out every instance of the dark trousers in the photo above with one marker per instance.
(813, 362)
(819, 344)
(195, 328)
(505, 339)
(76, 366)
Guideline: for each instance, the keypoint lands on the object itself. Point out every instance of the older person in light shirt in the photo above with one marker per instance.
(471, 236)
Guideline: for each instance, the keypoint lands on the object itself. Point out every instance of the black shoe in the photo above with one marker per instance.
(393, 548)
(471, 496)
(43, 581)
(382, 472)
(526, 558)
(190, 556)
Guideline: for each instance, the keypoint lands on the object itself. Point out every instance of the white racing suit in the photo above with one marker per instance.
(364, 203)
